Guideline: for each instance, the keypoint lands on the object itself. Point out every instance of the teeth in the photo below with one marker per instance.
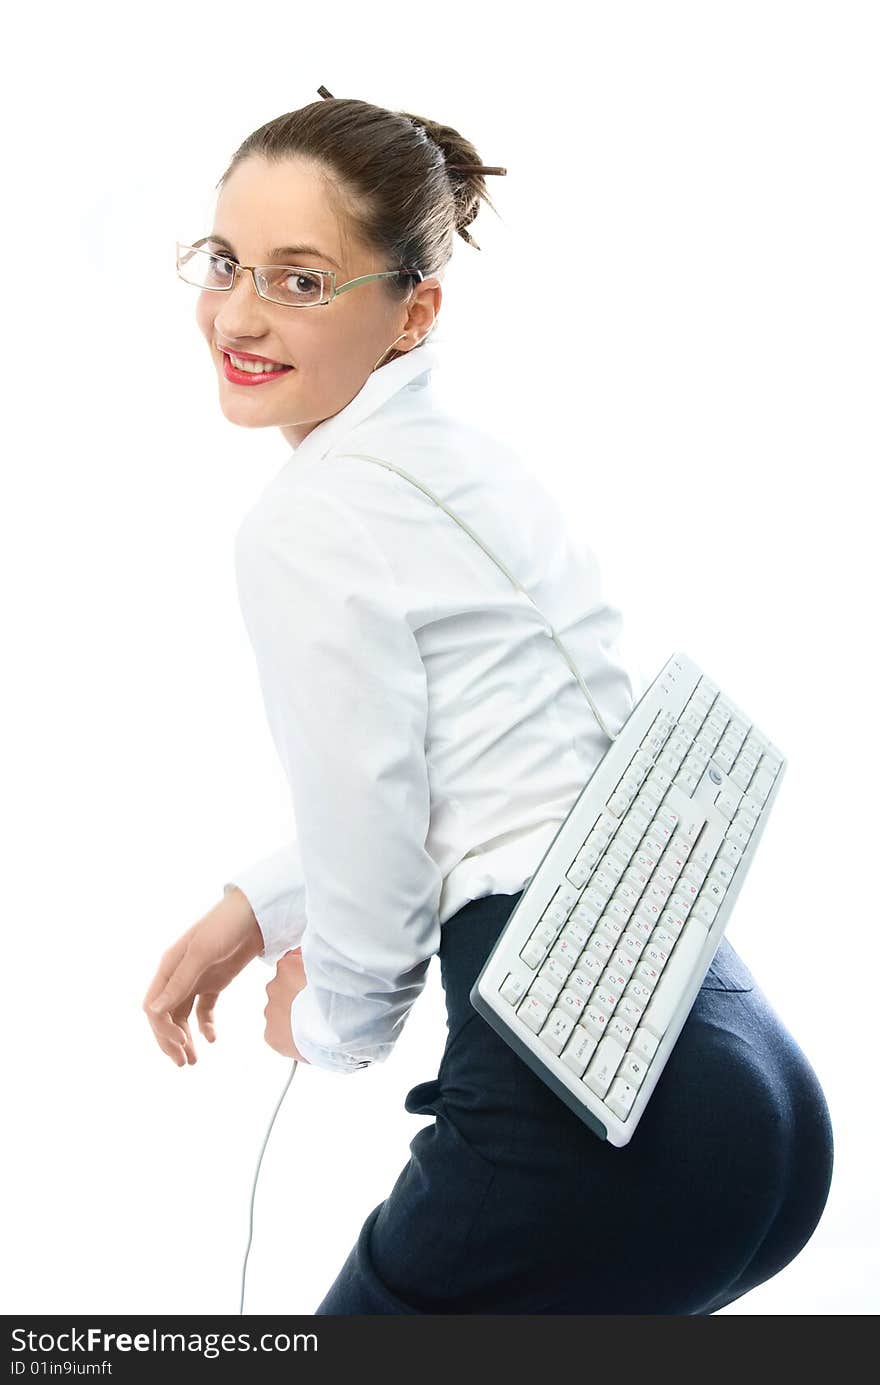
(254, 367)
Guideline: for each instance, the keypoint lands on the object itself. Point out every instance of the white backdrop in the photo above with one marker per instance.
(685, 268)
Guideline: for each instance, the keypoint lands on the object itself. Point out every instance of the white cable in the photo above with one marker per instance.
(254, 1188)
(366, 456)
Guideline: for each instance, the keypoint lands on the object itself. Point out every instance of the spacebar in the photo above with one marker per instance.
(674, 978)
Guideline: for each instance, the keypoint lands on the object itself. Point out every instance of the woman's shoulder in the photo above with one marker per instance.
(403, 481)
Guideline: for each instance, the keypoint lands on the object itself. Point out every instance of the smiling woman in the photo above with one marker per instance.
(432, 745)
(332, 231)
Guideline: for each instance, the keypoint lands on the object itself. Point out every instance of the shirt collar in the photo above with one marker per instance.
(380, 386)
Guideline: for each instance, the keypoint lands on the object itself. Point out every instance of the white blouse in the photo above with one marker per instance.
(432, 734)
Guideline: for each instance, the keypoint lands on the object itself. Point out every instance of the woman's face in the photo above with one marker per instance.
(332, 348)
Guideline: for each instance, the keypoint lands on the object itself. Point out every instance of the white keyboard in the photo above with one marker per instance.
(600, 962)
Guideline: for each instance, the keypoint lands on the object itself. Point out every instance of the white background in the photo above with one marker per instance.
(676, 317)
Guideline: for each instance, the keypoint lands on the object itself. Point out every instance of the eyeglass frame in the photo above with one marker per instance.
(330, 274)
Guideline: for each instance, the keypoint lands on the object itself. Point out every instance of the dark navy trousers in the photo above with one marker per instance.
(510, 1204)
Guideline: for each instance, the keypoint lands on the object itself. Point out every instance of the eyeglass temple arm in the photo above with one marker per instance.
(386, 274)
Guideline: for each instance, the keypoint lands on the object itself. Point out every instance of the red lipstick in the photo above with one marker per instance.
(242, 377)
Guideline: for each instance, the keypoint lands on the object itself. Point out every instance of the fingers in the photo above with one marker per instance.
(208, 954)
(189, 1047)
(278, 1033)
(205, 1014)
(172, 1038)
(170, 1028)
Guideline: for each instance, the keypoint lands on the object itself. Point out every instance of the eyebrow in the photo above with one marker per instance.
(279, 250)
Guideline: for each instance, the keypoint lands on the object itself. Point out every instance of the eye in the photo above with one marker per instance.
(218, 255)
(305, 284)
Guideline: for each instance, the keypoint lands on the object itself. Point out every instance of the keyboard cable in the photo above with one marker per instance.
(254, 1188)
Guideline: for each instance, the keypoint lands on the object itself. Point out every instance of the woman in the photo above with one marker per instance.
(434, 740)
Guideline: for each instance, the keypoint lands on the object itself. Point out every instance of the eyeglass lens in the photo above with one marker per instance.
(207, 269)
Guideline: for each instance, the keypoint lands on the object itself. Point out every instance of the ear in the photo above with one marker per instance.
(424, 307)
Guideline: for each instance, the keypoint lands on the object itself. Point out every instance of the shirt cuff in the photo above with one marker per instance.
(278, 903)
(304, 1019)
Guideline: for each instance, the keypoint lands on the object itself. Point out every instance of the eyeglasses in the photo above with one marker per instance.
(287, 284)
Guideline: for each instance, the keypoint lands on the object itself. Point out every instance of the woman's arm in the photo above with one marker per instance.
(346, 698)
(275, 890)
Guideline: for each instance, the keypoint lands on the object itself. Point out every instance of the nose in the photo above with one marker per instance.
(236, 318)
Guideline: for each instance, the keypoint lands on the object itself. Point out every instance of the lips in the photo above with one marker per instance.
(249, 377)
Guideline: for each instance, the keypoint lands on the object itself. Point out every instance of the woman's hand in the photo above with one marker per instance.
(289, 980)
(201, 963)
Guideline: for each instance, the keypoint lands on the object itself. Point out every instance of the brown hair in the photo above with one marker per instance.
(404, 184)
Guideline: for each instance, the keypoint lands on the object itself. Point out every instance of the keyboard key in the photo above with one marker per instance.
(581, 982)
(577, 874)
(731, 852)
(629, 1009)
(704, 911)
(589, 854)
(513, 988)
(633, 1068)
(632, 945)
(714, 888)
(534, 953)
(637, 875)
(723, 871)
(619, 1029)
(603, 1065)
(592, 965)
(576, 932)
(642, 925)
(586, 912)
(610, 927)
(677, 972)
(566, 952)
(621, 1097)
(648, 972)
(594, 1021)
(625, 962)
(604, 881)
(556, 1030)
(604, 1000)
(639, 992)
(727, 803)
(656, 955)
(543, 989)
(571, 1002)
(605, 828)
(664, 937)
(761, 785)
(555, 972)
(614, 978)
(533, 1013)
(545, 932)
(601, 947)
(565, 898)
(579, 1050)
(644, 1044)
(736, 834)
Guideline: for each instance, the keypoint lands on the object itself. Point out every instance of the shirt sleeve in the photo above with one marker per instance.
(274, 888)
(345, 693)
